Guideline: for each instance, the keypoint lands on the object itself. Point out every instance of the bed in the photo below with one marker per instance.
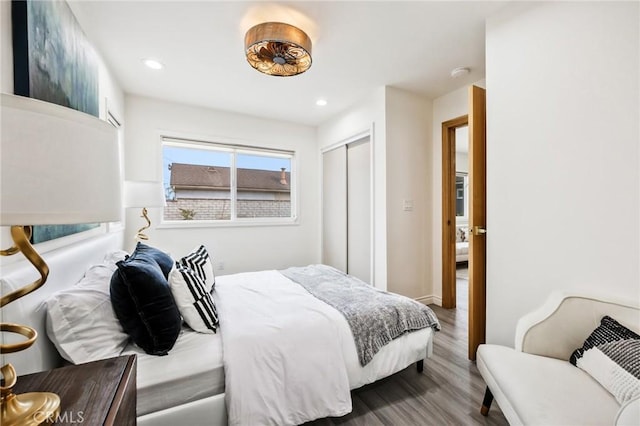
(194, 387)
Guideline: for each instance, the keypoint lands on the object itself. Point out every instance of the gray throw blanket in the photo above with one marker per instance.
(375, 317)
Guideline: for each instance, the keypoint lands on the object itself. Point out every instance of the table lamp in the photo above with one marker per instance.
(143, 194)
(57, 166)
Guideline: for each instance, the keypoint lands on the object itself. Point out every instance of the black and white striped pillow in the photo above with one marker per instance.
(193, 299)
(201, 263)
(611, 355)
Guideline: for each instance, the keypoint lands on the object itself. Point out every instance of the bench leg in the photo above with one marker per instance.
(420, 365)
(486, 402)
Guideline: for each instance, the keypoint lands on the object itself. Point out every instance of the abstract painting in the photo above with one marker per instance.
(51, 232)
(53, 60)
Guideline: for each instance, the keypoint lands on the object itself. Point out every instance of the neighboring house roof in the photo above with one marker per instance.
(190, 176)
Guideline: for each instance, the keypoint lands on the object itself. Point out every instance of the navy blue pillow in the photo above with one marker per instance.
(142, 300)
(162, 259)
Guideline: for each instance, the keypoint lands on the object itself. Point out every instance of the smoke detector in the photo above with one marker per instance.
(459, 72)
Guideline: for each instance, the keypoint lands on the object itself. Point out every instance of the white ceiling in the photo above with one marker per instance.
(357, 46)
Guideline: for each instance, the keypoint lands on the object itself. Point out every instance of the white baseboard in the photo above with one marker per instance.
(430, 300)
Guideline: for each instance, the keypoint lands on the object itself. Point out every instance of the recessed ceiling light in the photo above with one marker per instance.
(153, 64)
(321, 102)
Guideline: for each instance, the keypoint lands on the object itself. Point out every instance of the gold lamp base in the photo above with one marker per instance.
(141, 235)
(28, 409)
(32, 408)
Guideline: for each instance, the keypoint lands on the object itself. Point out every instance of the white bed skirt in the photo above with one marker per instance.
(210, 411)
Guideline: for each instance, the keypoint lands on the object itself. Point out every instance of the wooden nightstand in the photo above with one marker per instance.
(97, 393)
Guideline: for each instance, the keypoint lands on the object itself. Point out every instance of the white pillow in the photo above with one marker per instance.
(200, 262)
(193, 299)
(80, 320)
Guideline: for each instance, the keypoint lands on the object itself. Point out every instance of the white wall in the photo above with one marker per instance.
(462, 149)
(366, 115)
(462, 162)
(562, 156)
(408, 125)
(241, 248)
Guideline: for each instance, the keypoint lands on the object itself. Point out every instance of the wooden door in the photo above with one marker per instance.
(477, 218)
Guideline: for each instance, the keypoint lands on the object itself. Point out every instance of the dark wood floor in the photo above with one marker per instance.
(448, 392)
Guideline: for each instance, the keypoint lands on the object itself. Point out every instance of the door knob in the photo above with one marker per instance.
(479, 230)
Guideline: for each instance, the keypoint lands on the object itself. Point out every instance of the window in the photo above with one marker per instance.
(214, 182)
(462, 196)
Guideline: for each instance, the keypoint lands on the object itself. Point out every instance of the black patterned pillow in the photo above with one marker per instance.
(200, 262)
(194, 299)
(611, 355)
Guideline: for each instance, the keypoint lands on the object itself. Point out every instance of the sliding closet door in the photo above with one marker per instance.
(359, 209)
(334, 208)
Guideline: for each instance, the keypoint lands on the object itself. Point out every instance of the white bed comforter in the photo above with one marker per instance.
(283, 352)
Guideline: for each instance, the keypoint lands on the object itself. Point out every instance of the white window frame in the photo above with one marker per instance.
(234, 149)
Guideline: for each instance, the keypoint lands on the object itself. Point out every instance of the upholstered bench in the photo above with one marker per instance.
(535, 384)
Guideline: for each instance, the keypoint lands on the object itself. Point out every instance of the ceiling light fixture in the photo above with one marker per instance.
(153, 64)
(279, 49)
(321, 102)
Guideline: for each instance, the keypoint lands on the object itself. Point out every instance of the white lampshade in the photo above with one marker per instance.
(57, 165)
(143, 194)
